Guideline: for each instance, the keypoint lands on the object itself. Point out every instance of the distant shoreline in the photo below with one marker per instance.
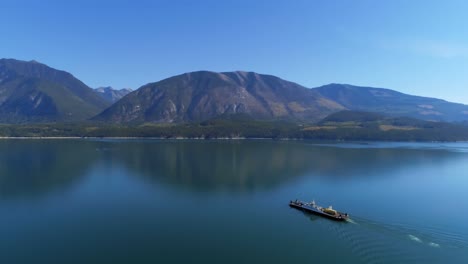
(234, 138)
(159, 138)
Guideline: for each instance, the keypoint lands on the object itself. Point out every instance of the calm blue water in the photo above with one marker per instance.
(150, 201)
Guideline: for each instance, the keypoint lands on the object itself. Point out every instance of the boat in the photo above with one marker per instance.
(311, 207)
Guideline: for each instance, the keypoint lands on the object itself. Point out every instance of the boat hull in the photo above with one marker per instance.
(311, 209)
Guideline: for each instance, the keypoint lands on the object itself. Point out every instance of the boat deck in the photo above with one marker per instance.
(312, 208)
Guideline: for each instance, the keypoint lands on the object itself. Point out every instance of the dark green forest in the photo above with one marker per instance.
(344, 125)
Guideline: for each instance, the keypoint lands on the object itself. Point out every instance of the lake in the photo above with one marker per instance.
(169, 201)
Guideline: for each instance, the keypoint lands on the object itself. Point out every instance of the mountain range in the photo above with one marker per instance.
(112, 95)
(33, 92)
(393, 103)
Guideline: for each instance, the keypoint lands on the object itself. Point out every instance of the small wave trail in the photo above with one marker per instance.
(349, 220)
(369, 243)
(377, 242)
(432, 244)
(414, 238)
(434, 237)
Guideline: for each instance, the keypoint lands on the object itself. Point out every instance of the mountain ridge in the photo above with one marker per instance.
(34, 92)
(326, 99)
(387, 101)
(200, 95)
(112, 95)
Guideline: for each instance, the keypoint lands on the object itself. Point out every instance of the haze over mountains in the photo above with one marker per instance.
(33, 92)
(112, 95)
(394, 103)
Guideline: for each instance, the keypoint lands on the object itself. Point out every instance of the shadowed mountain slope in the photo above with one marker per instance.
(33, 92)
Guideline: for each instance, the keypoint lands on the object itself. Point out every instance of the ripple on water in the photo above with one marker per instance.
(375, 242)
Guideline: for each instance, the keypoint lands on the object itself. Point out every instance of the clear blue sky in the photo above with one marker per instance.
(416, 47)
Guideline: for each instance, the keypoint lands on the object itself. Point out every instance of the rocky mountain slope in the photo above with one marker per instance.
(31, 92)
(112, 95)
(203, 95)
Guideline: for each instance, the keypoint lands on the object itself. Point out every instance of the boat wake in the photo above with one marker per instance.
(415, 238)
(349, 220)
(429, 236)
(432, 244)
(376, 242)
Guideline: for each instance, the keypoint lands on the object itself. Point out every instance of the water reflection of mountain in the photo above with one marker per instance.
(35, 167)
(338, 163)
(211, 165)
(249, 165)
